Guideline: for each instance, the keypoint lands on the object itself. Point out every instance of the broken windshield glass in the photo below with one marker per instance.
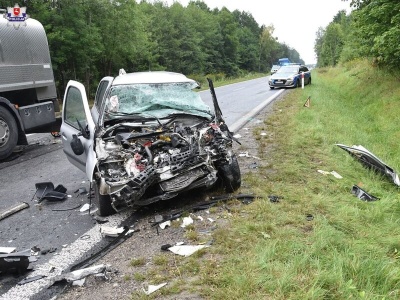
(156, 100)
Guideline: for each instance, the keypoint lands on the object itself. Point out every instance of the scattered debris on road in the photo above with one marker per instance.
(111, 231)
(82, 273)
(30, 279)
(15, 262)
(7, 250)
(46, 191)
(13, 210)
(186, 222)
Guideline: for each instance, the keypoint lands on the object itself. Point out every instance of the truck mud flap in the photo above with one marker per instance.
(37, 115)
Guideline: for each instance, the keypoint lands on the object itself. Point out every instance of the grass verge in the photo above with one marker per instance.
(350, 248)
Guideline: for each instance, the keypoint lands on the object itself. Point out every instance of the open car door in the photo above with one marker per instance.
(77, 129)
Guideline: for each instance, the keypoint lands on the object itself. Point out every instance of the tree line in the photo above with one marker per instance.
(90, 39)
(371, 30)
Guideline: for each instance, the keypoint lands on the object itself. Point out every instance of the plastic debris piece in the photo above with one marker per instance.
(334, 173)
(15, 261)
(85, 207)
(158, 218)
(166, 247)
(274, 198)
(7, 250)
(79, 282)
(337, 175)
(111, 231)
(153, 288)
(246, 154)
(165, 224)
(186, 221)
(81, 273)
(211, 220)
(265, 235)
(253, 165)
(200, 218)
(309, 217)
(237, 136)
(363, 195)
(30, 279)
(263, 134)
(186, 250)
(82, 190)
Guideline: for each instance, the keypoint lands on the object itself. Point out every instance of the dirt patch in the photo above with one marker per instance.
(139, 261)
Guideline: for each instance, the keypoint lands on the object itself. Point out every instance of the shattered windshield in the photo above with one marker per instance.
(155, 100)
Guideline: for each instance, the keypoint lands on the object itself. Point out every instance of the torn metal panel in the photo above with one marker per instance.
(370, 161)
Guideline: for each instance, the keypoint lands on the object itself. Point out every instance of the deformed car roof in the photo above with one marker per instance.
(151, 77)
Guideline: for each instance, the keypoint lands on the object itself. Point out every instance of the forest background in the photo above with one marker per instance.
(90, 39)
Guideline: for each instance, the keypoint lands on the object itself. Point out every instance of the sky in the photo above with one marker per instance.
(296, 21)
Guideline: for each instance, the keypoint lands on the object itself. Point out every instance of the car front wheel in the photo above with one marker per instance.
(230, 175)
(103, 202)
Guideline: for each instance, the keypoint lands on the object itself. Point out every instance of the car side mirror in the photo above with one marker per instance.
(76, 145)
(83, 131)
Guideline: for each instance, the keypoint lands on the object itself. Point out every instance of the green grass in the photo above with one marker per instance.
(350, 249)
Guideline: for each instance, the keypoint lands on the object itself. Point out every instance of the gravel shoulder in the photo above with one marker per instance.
(139, 260)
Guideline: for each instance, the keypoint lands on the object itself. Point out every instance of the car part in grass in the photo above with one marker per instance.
(362, 194)
(370, 161)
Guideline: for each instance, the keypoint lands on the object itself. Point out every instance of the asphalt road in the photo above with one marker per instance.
(60, 226)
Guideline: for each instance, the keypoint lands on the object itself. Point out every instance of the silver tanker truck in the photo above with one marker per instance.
(28, 98)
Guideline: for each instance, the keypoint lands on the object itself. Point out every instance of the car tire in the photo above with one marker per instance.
(103, 202)
(271, 87)
(298, 84)
(9, 133)
(230, 175)
(309, 81)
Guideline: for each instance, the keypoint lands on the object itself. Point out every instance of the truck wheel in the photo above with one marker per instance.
(230, 175)
(8, 133)
(103, 202)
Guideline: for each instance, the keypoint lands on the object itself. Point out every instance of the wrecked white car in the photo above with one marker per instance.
(148, 137)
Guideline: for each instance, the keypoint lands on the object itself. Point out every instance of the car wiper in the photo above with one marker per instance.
(134, 116)
(124, 115)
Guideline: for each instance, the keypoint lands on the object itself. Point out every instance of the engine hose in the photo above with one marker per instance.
(149, 154)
